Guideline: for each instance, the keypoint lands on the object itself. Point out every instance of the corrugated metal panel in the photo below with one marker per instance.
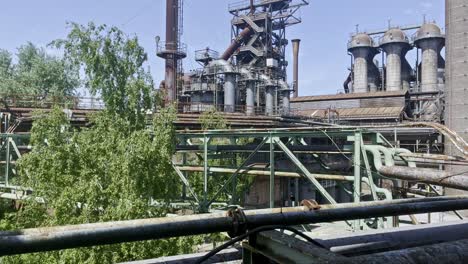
(384, 102)
(349, 96)
(357, 113)
(399, 101)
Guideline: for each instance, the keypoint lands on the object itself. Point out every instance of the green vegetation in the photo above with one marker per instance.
(113, 66)
(36, 73)
(109, 171)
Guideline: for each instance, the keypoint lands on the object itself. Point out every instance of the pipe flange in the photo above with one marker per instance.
(239, 222)
(311, 204)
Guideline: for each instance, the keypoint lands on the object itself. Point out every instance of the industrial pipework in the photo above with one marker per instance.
(236, 222)
(296, 44)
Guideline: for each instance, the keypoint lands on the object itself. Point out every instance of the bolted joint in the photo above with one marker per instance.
(239, 222)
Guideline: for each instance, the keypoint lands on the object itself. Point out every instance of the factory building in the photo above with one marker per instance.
(420, 86)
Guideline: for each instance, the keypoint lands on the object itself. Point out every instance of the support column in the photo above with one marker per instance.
(272, 172)
(357, 174)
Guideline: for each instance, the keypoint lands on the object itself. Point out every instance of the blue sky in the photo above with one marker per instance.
(325, 30)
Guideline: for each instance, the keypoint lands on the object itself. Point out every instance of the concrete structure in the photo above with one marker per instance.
(363, 50)
(395, 43)
(456, 110)
(430, 40)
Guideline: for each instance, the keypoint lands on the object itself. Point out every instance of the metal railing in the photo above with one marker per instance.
(205, 107)
(206, 54)
(46, 102)
(163, 47)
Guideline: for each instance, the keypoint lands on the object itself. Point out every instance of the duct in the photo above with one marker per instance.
(448, 252)
(346, 83)
(55, 238)
(406, 71)
(237, 42)
(373, 78)
(430, 176)
(376, 152)
(398, 151)
(386, 193)
(296, 45)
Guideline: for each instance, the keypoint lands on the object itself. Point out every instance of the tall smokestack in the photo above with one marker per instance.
(172, 41)
(296, 45)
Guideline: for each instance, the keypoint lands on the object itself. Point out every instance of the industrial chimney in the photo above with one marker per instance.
(296, 44)
(396, 44)
(171, 50)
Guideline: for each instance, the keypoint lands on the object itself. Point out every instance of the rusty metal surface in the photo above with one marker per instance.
(54, 238)
(444, 253)
(236, 43)
(348, 96)
(441, 178)
(356, 113)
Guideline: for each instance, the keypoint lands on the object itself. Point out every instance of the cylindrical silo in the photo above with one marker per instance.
(250, 98)
(270, 99)
(396, 45)
(430, 40)
(361, 46)
(229, 92)
(456, 77)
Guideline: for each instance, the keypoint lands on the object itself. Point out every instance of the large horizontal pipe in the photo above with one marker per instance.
(441, 178)
(55, 238)
(448, 252)
(374, 241)
(252, 147)
(248, 171)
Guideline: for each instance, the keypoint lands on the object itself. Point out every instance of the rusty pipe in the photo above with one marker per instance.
(55, 238)
(236, 43)
(430, 176)
(296, 45)
(252, 172)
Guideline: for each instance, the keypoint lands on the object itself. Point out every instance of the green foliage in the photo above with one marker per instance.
(109, 171)
(104, 173)
(36, 73)
(113, 65)
(212, 119)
